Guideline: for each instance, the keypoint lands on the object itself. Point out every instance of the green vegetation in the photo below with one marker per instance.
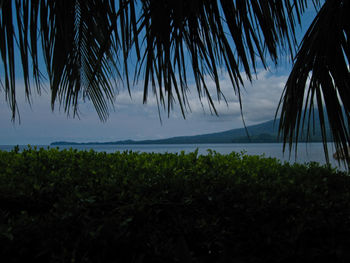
(78, 206)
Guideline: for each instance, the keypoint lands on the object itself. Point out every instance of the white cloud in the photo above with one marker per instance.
(259, 99)
(132, 119)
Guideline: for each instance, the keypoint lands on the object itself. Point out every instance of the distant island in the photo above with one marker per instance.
(266, 132)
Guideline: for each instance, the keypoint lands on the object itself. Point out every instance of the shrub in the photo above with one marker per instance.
(79, 206)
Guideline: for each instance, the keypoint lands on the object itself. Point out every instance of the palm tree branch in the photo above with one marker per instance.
(321, 69)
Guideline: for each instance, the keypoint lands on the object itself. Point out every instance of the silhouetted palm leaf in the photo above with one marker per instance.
(78, 47)
(213, 34)
(321, 78)
(87, 44)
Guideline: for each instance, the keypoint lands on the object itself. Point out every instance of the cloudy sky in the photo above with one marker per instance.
(131, 119)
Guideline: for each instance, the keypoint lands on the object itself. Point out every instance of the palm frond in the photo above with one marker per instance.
(86, 43)
(78, 43)
(198, 38)
(321, 78)
(78, 53)
(7, 47)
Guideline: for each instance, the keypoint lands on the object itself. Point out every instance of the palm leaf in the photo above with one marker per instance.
(79, 46)
(7, 45)
(78, 53)
(198, 29)
(321, 78)
(87, 44)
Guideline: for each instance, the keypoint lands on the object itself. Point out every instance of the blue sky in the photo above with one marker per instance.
(133, 120)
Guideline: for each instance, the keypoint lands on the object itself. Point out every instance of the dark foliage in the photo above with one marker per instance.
(69, 206)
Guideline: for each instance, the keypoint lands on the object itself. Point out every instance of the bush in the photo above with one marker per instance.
(79, 206)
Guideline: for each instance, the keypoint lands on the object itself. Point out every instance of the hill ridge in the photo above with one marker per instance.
(265, 132)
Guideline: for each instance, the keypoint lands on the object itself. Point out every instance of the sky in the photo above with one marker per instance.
(131, 119)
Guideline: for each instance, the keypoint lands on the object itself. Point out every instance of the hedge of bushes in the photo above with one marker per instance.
(79, 206)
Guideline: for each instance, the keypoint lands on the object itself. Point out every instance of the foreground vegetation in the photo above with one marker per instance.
(71, 206)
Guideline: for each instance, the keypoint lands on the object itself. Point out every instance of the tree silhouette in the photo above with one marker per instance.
(88, 46)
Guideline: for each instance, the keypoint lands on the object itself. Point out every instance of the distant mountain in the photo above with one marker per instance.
(265, 132)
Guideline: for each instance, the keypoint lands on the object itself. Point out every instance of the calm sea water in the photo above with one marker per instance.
(307, 152)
